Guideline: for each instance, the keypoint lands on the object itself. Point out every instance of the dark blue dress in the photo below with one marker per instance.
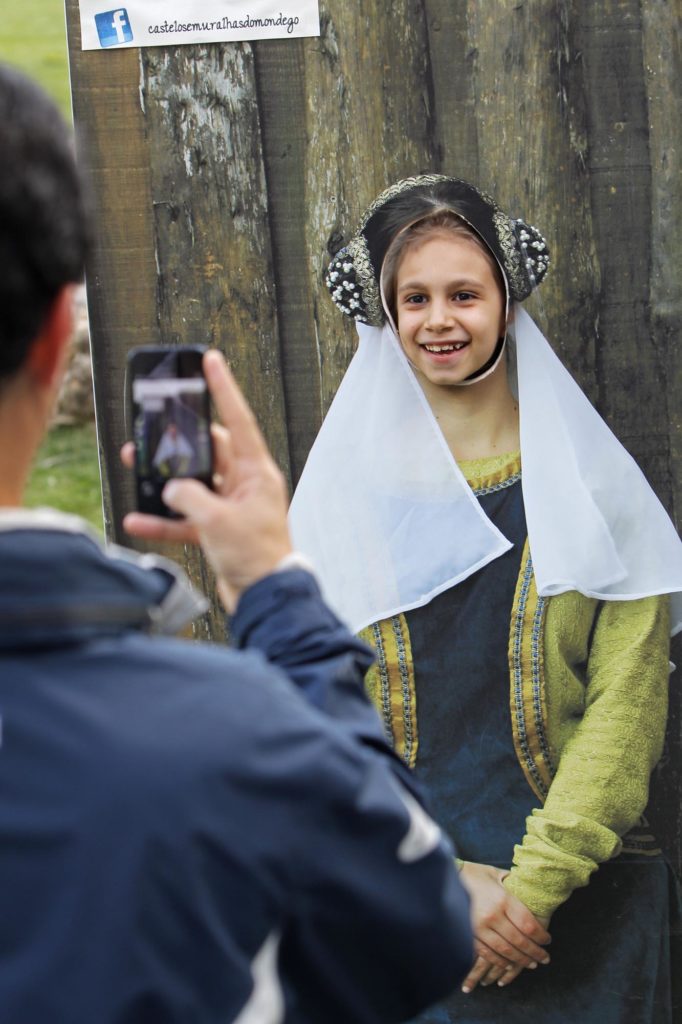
(610, 941)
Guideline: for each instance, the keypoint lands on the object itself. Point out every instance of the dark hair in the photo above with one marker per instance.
(441, 220)
(43, 222)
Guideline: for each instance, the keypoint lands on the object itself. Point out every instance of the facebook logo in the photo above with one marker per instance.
(113, 27)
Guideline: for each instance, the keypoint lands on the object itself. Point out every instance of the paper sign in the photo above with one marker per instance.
(174, 22)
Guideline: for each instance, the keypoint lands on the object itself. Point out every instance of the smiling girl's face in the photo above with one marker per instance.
(450, 307)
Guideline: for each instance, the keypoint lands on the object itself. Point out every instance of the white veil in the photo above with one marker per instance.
(382, 509)
(388, 520)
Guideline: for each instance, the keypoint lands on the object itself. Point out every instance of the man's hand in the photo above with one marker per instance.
(507, 936)
(242, 524)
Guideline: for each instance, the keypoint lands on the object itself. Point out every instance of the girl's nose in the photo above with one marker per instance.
(440, 315)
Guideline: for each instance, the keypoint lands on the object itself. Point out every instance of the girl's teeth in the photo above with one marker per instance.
(439, 349)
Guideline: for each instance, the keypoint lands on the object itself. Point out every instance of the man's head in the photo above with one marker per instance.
(43, 226)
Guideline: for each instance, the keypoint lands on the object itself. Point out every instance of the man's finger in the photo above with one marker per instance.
(128, 455)
(223, 453)
(156, 528)
(232, 407)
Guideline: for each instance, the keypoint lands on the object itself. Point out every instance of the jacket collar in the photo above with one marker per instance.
(60, 583)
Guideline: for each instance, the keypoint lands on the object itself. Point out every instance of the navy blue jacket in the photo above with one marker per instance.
(195, 834)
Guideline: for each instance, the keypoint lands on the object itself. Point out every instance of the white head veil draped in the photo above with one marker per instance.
(388, 520)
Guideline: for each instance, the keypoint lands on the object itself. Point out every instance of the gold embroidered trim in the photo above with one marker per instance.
(390, 684)
(405, 185)
(492, 473)
(376, 679)
(513, 263)
(527, 694)
(358, 250)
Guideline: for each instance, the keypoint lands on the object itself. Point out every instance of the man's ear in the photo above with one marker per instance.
(48, 351)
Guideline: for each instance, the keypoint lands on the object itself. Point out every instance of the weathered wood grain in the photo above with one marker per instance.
(215, 281)
(631, 373)
(210, 209)
(662, 70)
(452, 53)
(121, 277)
(368, 117)
(532, 156)
(281, 95)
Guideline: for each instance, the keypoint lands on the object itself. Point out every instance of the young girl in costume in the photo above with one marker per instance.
(469, 511)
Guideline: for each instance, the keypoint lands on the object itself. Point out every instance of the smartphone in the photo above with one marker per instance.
(170, 421)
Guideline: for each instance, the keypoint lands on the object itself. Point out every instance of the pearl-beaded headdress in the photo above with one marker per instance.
(354, 274)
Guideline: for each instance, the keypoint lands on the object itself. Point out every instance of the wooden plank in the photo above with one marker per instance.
(453, 54)
(211, 235)
(182, 253)
(662, 69)
(631, 372)
(281, 93)
(369, 122)
(637, 349)
(121, 275)
(210, 211)
(532, 146)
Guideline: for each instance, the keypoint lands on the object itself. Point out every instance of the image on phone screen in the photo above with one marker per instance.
(171, 421)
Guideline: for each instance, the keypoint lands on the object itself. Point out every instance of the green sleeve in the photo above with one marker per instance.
(601, 784)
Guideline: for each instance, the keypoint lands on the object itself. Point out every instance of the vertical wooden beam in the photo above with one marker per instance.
(369, 122)
(211, 234)
(631, 370)
(210, 214)
(453, 51)
(662, 72)
(121, 277)
(281, 99)
(531, 143)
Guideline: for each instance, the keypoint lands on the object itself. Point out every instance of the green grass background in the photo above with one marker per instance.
(66, 470)
(33, 38)
(66, 475)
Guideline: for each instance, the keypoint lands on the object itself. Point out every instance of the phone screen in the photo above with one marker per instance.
(170, 421)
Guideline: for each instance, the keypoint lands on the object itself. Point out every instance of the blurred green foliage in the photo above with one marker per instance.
(33, 38)
(66, 474)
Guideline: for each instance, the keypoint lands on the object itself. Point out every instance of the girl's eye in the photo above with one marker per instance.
(415, 300)
(464, 296)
